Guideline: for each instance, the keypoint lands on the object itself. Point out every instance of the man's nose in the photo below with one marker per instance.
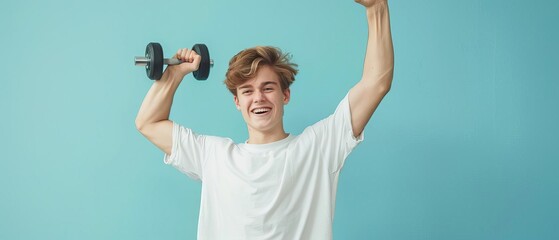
(259, 96)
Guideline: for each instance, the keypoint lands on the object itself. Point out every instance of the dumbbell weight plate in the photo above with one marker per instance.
(154, 69)
(204, 68)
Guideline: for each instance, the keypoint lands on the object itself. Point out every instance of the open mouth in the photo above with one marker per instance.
(261, 110)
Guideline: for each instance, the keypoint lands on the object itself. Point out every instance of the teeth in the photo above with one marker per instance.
(260, 110)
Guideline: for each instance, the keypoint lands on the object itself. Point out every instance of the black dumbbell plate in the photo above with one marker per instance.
(154, 69)
(204, 68)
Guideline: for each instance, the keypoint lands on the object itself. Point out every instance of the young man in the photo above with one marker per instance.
(275, 185)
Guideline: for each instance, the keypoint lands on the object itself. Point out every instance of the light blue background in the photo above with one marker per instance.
(463, 147)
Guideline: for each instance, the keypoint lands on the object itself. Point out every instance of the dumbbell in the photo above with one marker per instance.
(154, 61)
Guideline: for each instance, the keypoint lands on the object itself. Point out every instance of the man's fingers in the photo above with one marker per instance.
(192, 56)
(196, 61)
(188, 55)
(185, 54)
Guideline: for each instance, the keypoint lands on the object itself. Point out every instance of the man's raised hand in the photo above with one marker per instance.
(369, 3)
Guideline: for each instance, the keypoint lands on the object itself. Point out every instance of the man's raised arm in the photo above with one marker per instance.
(153, 117)
(378, 68)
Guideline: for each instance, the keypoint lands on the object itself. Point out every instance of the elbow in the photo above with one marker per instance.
(382, 89)
(386, 85)
(385, 88)
(139, 125)
(379, 81)
(383, 83)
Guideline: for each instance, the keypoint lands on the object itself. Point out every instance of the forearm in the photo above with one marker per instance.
(366, 95)
(157, 102)
(379, 59)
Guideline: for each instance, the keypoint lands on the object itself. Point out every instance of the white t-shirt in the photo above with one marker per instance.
(284, 190)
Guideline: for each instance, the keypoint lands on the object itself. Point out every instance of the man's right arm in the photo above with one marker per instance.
(153, 117)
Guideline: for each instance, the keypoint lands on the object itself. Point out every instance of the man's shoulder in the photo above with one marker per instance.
(204, 137)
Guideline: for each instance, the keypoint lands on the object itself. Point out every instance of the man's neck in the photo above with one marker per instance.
(258, 137)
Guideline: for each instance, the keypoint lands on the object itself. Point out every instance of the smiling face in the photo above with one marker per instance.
(261, 102)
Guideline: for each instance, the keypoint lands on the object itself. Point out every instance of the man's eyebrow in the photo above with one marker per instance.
(269, 82)
(262, 84)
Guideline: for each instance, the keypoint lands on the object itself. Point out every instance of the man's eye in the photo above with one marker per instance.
(247, 91)
(268, 89)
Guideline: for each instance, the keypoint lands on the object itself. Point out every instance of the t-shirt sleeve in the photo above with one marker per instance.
(335, 136)
(187, 152)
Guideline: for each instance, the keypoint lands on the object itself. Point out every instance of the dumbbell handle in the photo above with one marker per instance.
(144, 61)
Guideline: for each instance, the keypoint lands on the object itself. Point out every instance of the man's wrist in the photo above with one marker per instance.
(172, 75)
(377, 7)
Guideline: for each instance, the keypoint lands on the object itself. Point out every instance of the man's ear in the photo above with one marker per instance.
(286, 96)
(236, 100)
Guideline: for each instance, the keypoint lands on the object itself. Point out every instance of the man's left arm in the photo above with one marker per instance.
(378, 68)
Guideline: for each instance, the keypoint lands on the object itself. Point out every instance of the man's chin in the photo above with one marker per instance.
(261, 127)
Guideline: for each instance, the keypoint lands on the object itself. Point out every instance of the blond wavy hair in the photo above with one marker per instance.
(245, 64)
